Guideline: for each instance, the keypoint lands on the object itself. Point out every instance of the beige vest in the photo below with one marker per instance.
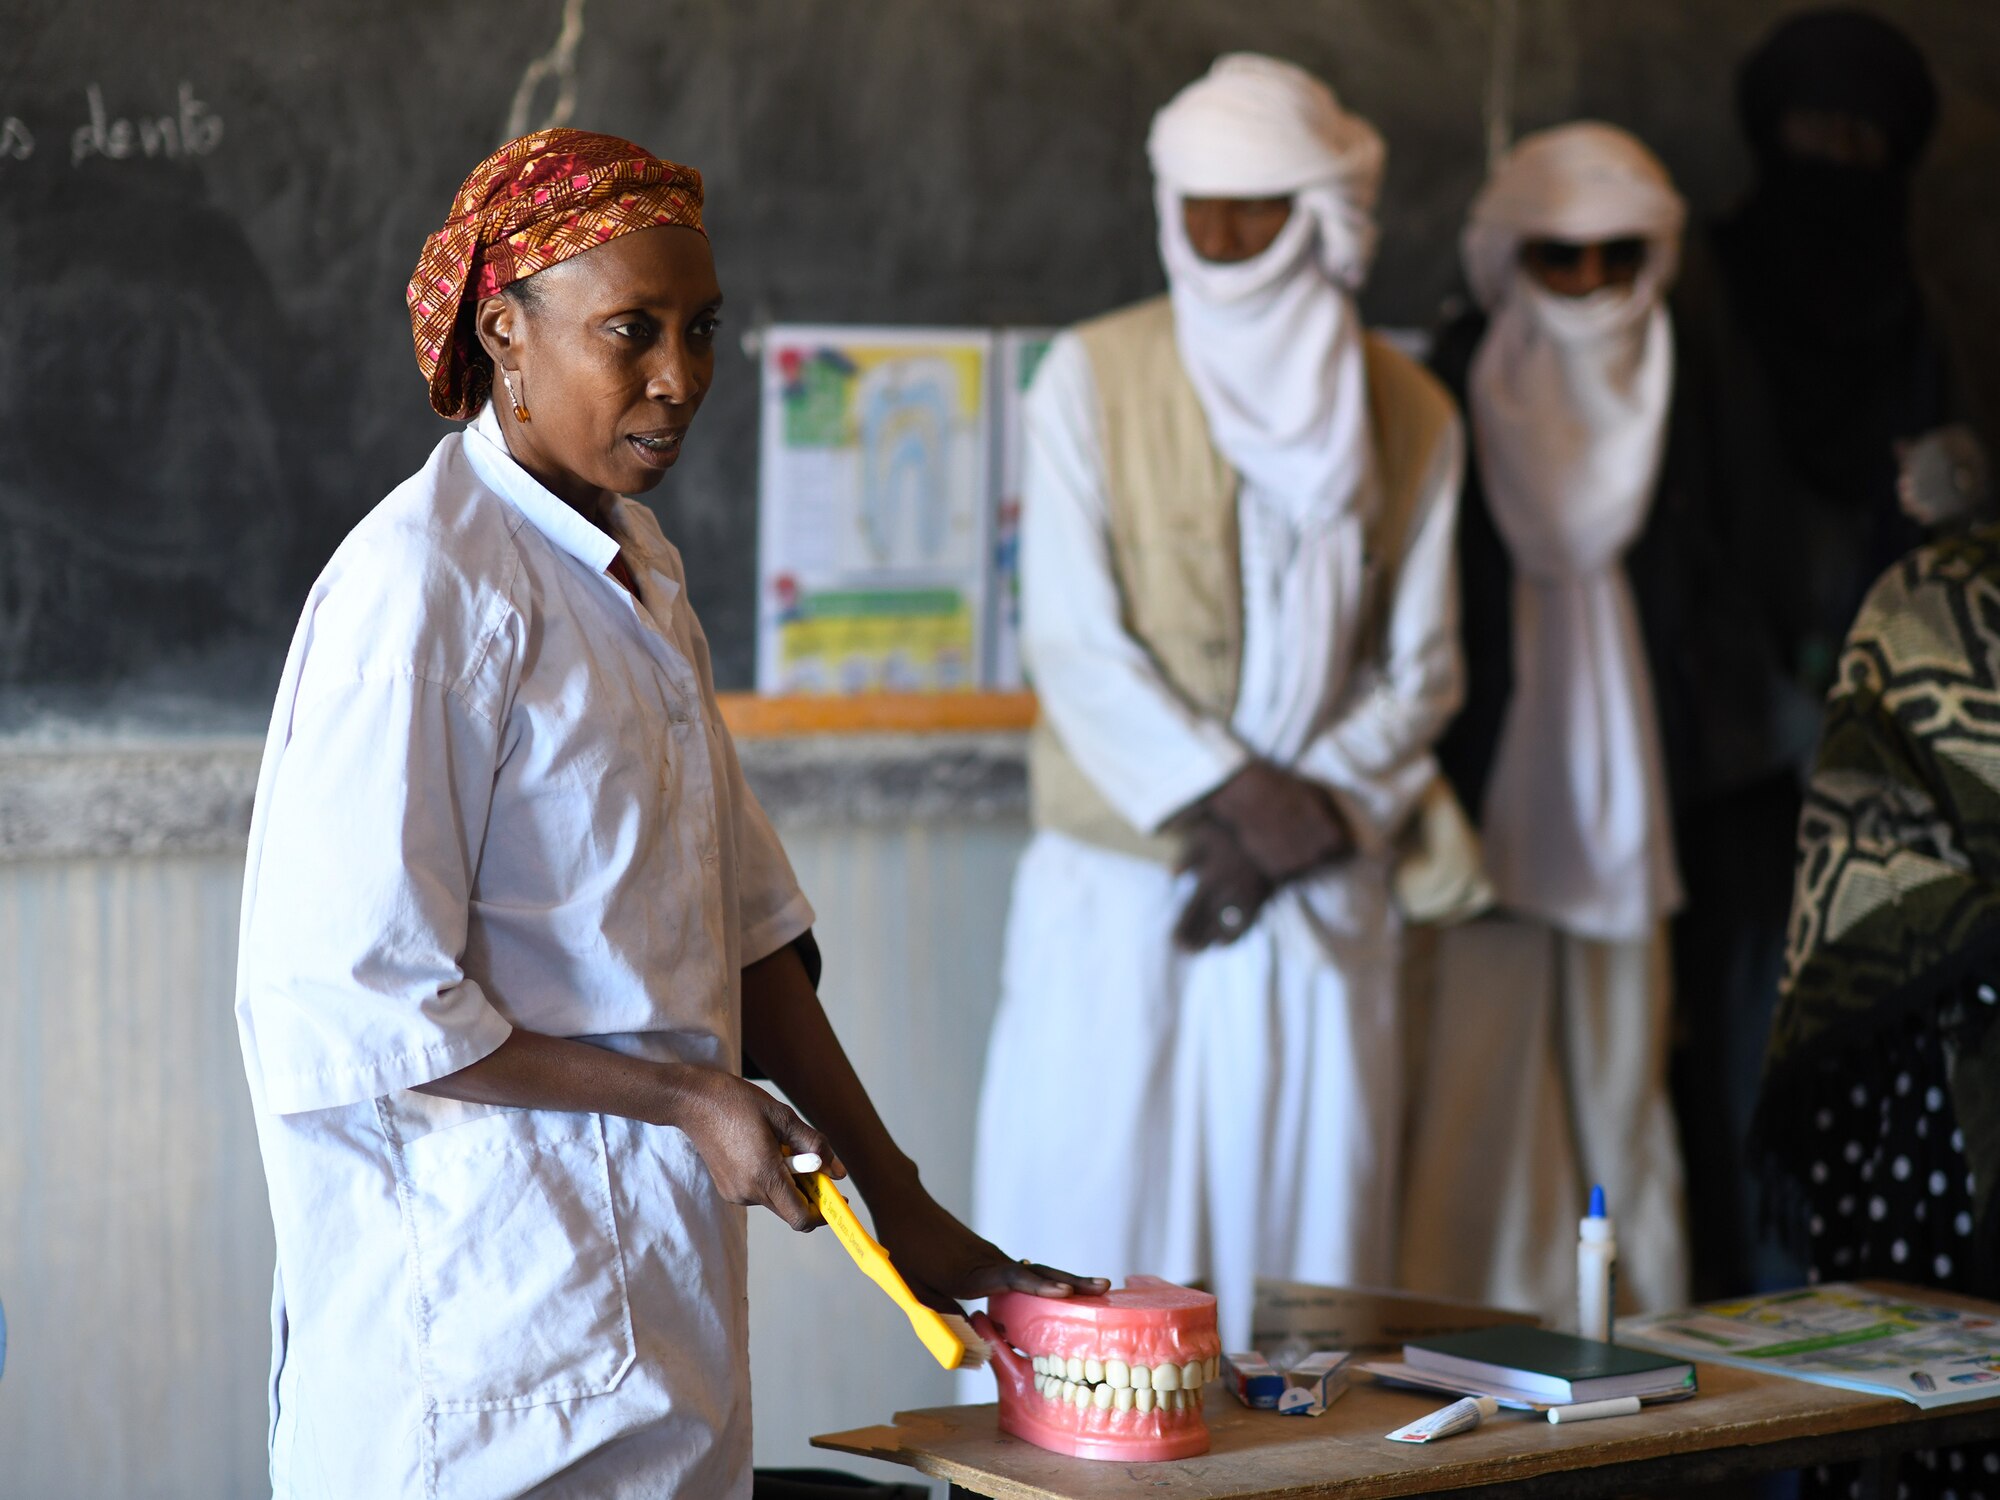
(1172, 502)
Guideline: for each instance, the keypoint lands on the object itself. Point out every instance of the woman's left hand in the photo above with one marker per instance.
(944, 1262)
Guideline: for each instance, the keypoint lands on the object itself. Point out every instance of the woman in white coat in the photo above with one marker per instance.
(512, 921)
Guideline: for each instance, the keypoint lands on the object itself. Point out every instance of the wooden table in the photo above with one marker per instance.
(1742, 1423)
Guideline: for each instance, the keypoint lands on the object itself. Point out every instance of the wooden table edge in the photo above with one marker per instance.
(1838, 1433)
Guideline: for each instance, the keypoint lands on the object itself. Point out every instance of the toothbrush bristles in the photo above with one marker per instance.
(977, 1351)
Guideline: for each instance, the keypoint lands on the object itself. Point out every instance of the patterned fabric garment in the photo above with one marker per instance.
(1890, 1198)
(1898, 895)
(535, 202)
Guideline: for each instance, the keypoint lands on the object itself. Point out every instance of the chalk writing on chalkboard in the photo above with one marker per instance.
(190, 129)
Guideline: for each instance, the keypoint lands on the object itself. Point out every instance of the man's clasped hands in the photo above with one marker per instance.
(1260, 830)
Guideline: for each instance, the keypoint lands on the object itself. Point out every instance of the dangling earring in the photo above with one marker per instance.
(520, 411)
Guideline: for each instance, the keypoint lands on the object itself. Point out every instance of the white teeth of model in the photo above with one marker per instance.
(1213, 1370)
(1100, 1397)
(1193, 1377)
(1040, 1381)
(1082, 1396)
(1142, 1377)
(1118, 1373)
(1093, 1370)
(1074, 1369)
(1143, 1399)
(1166, 1377)
(1121, 1397)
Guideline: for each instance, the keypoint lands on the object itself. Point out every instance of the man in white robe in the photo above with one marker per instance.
(1238, 613)
(1545, 1069)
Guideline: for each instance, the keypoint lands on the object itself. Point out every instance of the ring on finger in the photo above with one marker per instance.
(1231, 918)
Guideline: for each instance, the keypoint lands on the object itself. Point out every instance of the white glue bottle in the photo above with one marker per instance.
(1596, 1271)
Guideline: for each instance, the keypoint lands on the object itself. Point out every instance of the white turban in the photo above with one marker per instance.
(1272, 346)
(1569, 400)
(1272, 343)
(1584, 184)
(1257, 127)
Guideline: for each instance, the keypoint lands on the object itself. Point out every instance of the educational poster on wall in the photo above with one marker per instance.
(874, 528)
(1019, 356)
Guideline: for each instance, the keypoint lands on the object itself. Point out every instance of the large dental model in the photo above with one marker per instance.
(1118, 1376)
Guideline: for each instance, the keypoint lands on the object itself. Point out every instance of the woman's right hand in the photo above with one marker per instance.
(746, 1138)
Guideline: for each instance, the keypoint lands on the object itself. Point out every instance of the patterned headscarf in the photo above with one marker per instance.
(535, 202)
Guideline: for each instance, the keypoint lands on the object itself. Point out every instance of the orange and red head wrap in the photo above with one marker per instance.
(534, 202)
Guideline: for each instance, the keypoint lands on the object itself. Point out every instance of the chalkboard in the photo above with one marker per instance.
(209, 209)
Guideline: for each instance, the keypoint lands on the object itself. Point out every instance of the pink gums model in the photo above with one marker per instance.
(1118, 1376)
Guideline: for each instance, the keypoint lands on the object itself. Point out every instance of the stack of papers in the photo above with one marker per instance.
(1887, 1341)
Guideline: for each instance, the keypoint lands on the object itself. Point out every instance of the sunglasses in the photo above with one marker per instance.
(1565, 255)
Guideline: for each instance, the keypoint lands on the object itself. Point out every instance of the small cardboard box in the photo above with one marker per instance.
(1314, 1383)
(1255, 1383)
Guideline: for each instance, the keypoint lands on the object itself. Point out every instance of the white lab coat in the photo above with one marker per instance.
(497, 793)
(1237, 1112)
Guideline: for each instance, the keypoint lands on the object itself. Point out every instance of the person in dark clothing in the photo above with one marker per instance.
(1810, 359)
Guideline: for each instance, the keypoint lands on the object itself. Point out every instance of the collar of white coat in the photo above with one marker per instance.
(486, 450)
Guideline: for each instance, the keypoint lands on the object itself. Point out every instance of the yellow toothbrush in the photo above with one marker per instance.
(949, 1338)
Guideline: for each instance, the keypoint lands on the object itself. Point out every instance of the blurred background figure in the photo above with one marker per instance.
(1545, 1068)
(1815, 361)
(1880, 1113)
(1237, 607)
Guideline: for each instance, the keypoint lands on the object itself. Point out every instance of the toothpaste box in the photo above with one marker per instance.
(1254, 1381)
(1314, 1383)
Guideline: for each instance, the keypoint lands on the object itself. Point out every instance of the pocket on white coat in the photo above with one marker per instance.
(516, 1274)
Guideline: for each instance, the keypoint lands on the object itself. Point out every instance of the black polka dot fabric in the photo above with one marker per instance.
(1890, 1197)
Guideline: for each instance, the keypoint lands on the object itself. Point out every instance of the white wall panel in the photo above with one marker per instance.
(135, 1246)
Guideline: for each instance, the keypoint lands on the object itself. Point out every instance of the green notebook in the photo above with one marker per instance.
(1550, 1366)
